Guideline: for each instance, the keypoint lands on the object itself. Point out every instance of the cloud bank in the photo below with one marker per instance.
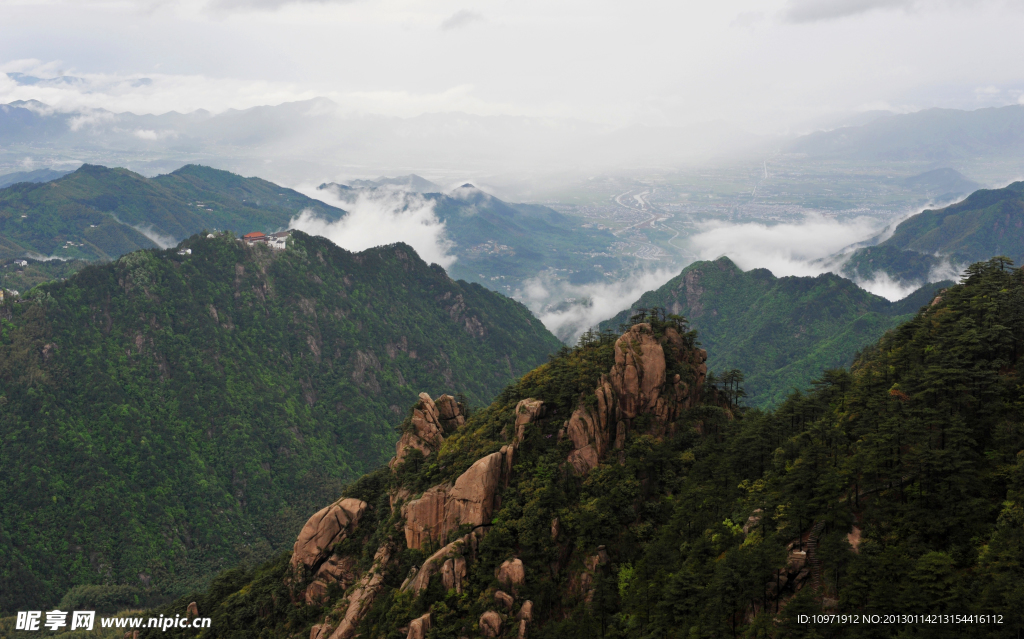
(568, 310)
(801, 248)
(461, 18)
(378, 218)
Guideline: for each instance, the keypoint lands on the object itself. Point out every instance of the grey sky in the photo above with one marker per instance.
(768, 66)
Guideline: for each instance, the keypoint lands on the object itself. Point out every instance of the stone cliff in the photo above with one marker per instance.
(655, 375)
(636, 384)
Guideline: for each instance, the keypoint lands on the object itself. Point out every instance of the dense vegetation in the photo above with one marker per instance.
(100, 213)
(16, 277)
(905, 473)
(166, 415)
(781, 332)
(988, 222)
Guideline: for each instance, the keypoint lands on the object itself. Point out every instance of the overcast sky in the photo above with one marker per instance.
(768, 65)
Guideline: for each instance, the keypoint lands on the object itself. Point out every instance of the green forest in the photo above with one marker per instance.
(169, 414)
(893, 486)
(99, 213)
(988, 222)
(781, 332)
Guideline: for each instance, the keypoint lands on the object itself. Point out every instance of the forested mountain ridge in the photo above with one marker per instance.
(165, 415)
(927, 136)
(987, 223)
(780, 332)
(612, 492)
(506, 242)
(101, 213)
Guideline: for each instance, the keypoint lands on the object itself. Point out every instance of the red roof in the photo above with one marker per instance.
(254, 235)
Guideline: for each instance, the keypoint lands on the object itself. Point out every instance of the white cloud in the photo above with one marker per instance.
(568, 310)
(150, 134)
(461, 18)
(810, 247)
(884, 286)
(784, 249)
(378, 218)
(816, 10)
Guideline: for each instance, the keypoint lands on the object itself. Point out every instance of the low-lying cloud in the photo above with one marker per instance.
(568, 310)
(808, 247)
(790, 248)
(461, 18)
(380, 217)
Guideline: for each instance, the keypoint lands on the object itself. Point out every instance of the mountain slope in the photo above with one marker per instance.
(780, 332)
(100, 213)
(501, 244)
(411, 182)
(164, 415)
(987, 223)
(932, 135)
(36, 176)
(662, 510)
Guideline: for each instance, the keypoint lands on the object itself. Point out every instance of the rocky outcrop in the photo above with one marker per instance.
(636, 384)
(490, 624)
(511, 573)
(525, 617)
(427, 428)
(336, 570)
(528, 411)
(526, 612)
(362, 595)
(324, 530)
(451, 561)
(504, 599)
(471, 500)
(192, 610)
(418, 627)
(581, 584)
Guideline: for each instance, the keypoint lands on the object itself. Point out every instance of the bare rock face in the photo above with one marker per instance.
(340, 570)
(363, 593)
(527, 412)
(504, 599)
(192, 610)
(418, 627)
(490, 624)
(326, 528)
(636, 384)
(450, 561)
(454, 573)
(639, 372)
(512, 573)
(449, 412)
(425, 517)
(471, 500)
(427, 432)
(320, 631)
(526, 612)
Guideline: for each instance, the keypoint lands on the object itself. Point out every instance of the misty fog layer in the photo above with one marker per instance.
(808, 247)
(383, 216)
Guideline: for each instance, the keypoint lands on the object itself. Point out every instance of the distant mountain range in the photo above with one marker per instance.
(411, 182)
(100, 213)
(933, 243)
(501, 243)
(931, 135)
(36, 176)
(782, 332)
(314, 138)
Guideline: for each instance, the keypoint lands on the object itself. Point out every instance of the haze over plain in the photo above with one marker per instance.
(678, 127)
